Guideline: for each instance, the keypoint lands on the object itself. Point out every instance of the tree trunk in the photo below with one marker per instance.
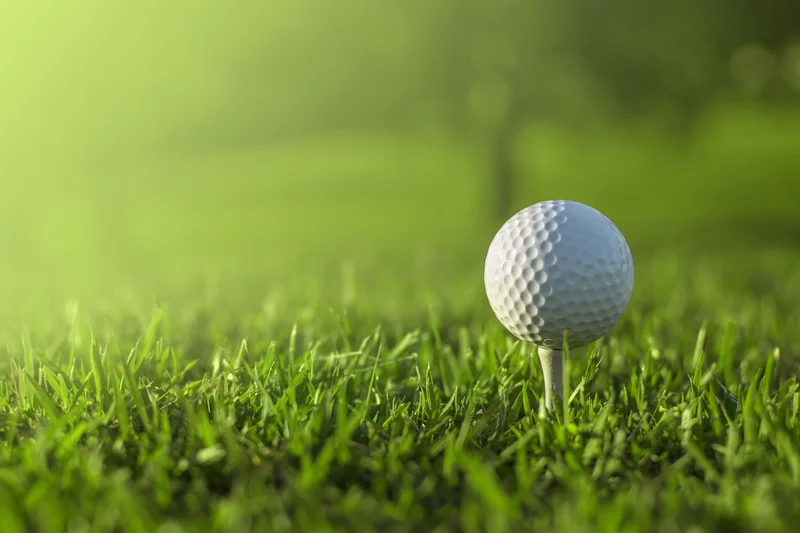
(504, 165)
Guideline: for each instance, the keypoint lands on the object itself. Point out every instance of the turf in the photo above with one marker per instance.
(215, 417)
(304, 391)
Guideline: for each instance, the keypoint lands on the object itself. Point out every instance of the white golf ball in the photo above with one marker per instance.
(559, 266)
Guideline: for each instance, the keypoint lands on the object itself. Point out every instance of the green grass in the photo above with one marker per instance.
(221, 417)
(307, 346)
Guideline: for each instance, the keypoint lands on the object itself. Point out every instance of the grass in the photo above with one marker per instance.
(215, 417)
(300, 390)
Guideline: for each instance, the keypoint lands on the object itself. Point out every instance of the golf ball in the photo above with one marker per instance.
(555, 267)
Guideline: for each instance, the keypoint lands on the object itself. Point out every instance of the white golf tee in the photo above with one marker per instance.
(552, 370)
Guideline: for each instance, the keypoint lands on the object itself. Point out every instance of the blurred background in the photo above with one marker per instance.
(157, 143)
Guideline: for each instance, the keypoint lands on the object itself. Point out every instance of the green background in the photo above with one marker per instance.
(154, 140)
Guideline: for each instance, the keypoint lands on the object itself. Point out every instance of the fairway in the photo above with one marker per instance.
(373, 388)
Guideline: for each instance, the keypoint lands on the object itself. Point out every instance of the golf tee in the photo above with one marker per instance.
(552, 361)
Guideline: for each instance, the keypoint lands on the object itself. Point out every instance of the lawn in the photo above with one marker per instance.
(308, 348)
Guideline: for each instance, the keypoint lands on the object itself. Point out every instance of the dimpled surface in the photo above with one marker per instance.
(556, 266)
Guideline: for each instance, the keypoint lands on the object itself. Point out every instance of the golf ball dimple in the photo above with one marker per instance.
(555, 267)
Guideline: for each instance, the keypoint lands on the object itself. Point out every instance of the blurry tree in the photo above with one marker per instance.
(509, 63)
(498, 65)
(501, 65)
